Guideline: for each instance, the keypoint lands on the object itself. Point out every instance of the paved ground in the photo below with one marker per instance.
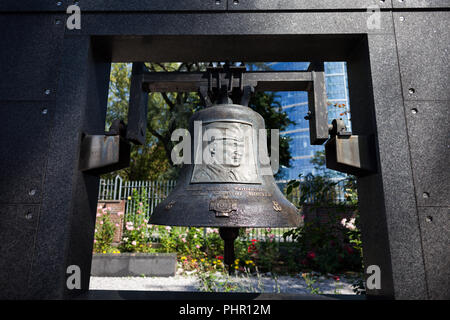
(265, 284)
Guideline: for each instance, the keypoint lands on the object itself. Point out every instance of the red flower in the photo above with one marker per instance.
(219, 257)
(349, 249)
(252, 248)
(311, 255)
(336, 278)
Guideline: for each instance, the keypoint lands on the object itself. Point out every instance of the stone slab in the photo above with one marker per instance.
(428, 132)
(18, 224)
(409, 4)
(114, 5)
(435, 226)
(30, 61)
(235, 23)
(191, 5)
(134, 264)
(396, 175)
(306, 4)
(423, 41)
(24, 156)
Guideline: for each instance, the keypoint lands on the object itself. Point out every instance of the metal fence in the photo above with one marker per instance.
(155, 192)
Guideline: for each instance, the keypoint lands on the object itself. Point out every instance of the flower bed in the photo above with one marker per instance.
(325, 246)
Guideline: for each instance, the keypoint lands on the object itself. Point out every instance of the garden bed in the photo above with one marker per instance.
(134, 264)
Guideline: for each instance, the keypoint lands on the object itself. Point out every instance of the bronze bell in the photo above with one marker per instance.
(226, 184)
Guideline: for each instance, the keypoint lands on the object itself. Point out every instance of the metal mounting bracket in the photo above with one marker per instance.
(228, 80)
(101, 154)
(317, 105)
(137, 107)
(352, 154)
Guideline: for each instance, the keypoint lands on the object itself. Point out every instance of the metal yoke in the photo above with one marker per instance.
(352, 154)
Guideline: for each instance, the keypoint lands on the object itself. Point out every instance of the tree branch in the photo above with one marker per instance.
(169, 102)
(165, 142)
(155, 133)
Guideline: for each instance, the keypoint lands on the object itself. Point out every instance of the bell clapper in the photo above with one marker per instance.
(229, 235)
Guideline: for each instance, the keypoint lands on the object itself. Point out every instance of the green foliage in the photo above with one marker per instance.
(332, 245)
(215, 280)
(104, 231)
(147, 162)
(136, 233)
(208, 280)
(351, 194)
(187, 242)
(168, 238)
(315, 189)
(168, 111)
(326, 246)
(119, 91)
(268, 252)
(319, 162)
(310, 281)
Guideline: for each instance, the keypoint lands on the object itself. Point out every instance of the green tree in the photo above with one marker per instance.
(319, 162)
(168, 111)
(149, 161)
(119, 91)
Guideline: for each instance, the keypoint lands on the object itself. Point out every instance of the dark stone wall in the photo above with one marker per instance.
(30, 55)
(55, 83)
(422, 47)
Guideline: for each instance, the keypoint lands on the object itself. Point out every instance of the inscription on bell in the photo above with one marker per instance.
(223, 206)
(228, 154)
(170, 205)
(276, 206)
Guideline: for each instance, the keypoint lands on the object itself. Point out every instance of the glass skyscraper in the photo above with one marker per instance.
(295, 104)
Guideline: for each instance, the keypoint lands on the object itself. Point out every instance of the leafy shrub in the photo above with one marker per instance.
(137, 231)
(104, 231)
(328, 247)
(333, 245)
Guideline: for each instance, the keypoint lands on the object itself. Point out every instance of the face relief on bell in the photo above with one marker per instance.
(228, 145)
